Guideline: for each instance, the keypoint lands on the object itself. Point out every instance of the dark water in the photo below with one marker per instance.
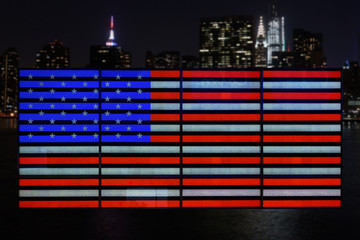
(252, 224)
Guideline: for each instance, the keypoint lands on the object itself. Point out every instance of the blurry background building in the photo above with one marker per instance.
(53, 55)
(165, 59)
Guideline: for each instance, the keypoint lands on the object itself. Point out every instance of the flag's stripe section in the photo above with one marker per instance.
(221, 74)
(221, 149)
(141, 128)
(301, 192)
(68, 95)
(164, 74)
(301, 95)
(144, 106)
(57, 116)
(221, 117)
(221, 138)
(221, 160)
(59, 160)
(126, 73)
(302, 117)
(301, 203)
(221, 171)
(140, 182)
(140, 160)
(135, 85)
(59, 182)
(57, 149)
(221, 182)
(140, 193)
(155, 84)
(59, 204)
(165, 117)
(302, 182)
(141, 204)
(58, 139)
(59, 84)
(59, 193)
(221, 128)
(302, 160)
(220, 95)
(221, 192)
(302, 128)
(58, 106)
(302, 171)
(220, 85)
(58, 171)
(136, 139)
(302, 85)
(165, 95)
(58, 73)
(302, 138)
(142, 149)
(169, 139)
(302, 74)
(221, 203)
(221, 106)
(302, 149)
(59, 128)
(301, 106)
(139, 171)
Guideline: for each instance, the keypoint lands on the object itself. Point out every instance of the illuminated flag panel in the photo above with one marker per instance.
(59, 138)
(221, 139)
(301, 138)
(140, 135)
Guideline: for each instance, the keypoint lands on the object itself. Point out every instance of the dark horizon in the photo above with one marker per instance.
(164, 25)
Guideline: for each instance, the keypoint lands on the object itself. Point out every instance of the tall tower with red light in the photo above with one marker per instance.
(111, 40)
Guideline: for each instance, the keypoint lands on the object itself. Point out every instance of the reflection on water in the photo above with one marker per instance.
(8, 123)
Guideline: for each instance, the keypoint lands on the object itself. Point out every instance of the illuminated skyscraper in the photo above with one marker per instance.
(276, 32)
(261, 46)
(53, 55)
(227, 42)
(109, 55)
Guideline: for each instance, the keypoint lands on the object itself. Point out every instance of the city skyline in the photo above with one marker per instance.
(164, 25)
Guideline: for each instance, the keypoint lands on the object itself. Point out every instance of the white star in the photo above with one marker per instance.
(30, 76)
(74, 121)
(52, 121)
(128, 84)
(84, 128)
(63, 128)
(74, 91)
(52, 106)
(52, 91)
(139, 106)
(128, 128)
(118, 121)
(128, 113)
(118, 77)
(84, 84)
(118, 106)
(139, 76)
(96, 76)
(30, 121)
(73, 135)
(107, 84)
(85, 99)
(85, 113)
(118, 91)
(41, 128)
(30, 135)
(74, 106)
(74, 76)
(52, 76)
(52, 135)
(128, 99)
(63, 113)
(30, 105)
(107, 99)
(41, 113)
(139, 135)
(118, 135)
(95, 135)
(107, 113)
(30, 91)
(41, 84)
(63, 99)
(95, 91)
(96, 121)
(41, 99)
(107, 128)
(139, 121)
(63, 84)
(139, 91)
(95, 106)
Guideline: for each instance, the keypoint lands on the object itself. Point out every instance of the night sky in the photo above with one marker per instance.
(159, 25)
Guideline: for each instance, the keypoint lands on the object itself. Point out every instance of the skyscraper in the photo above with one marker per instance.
(261, 46)
(109, 55)
(9, 64)
(165, 59)
(53, 55)
(276, 32)
(227, 42)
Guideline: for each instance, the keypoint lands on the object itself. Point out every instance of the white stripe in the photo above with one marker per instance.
(165, 128)
(59, 149)
(302, 85)
(220, 192)
(221, 149)
(221, 106)
(302, 171)
(59, 171)
(221, 128)
(59, 193)
(221, 84)
(302, 192)
(221, 171)
(140, 193)
(302, 149)
(140, 171)
(302, 106)
(140, 149)
(302, 128)
(163, 84)
(165, 106)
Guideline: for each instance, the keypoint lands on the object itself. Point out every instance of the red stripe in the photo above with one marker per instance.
(58, 204)
(302, 160)
(165, 95)
(141, 204)
(140, 160)
(302, 203)
(221, 203)
(221, 160)
(221, 117)
(302, 117)
(302, 95)
(165, 138)
(195, 95)
(140, 182)
(221, 182)
(302, 74)
(304, 138)
(221, 74)
(58, 182)
(165, 74)
(59, 160)
(302, 182)
(221, 138)
(165, 117)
